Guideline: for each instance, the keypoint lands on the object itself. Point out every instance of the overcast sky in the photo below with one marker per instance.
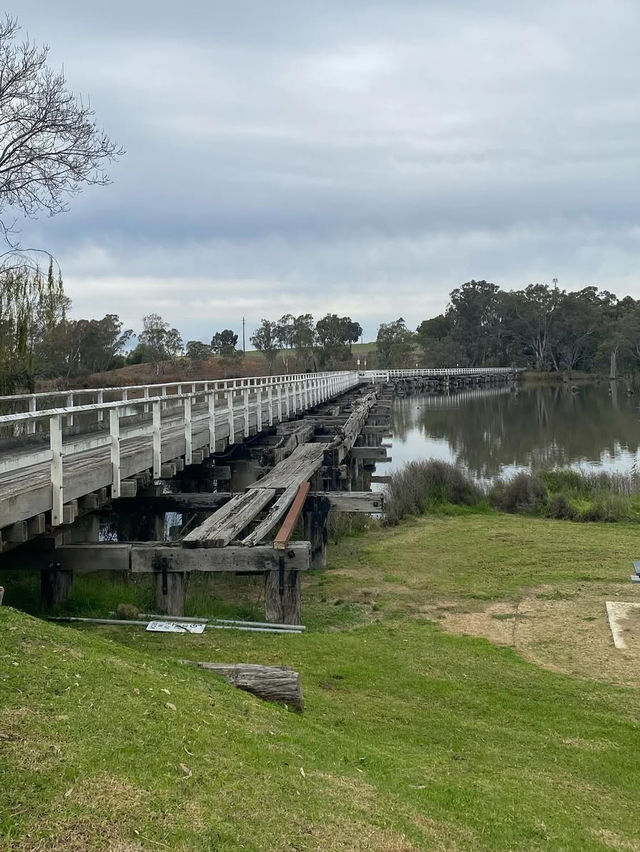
(362, 158)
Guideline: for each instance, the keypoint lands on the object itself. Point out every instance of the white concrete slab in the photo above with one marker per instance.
(619, 614)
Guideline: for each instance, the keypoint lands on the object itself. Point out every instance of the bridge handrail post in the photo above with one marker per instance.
(57, 484)
(259, 409)
(114, 431)
(270, 402)
(245, 398)
(188, 435)
(232, 432)
(31, 424)
(211, 406)
(70, 405)
(157, 439)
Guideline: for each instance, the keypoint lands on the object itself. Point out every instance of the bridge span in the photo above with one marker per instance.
(65, 454)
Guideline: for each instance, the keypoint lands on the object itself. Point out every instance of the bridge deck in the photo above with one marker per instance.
(121, 440)
(50, 458)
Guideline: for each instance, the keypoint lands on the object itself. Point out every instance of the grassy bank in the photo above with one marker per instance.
(412, 737)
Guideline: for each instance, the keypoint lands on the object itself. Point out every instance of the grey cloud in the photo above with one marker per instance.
(363, 157)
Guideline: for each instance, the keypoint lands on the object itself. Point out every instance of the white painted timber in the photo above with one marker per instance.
(142, 429)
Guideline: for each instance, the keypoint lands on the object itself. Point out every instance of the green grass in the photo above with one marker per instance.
(411, 738)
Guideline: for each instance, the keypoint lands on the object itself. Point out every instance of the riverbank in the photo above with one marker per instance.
(563, 494)
(413, 736)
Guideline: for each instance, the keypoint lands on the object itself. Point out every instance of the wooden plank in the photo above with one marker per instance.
(147, 557)
(281, 541)
(17, 533)
(185, 502)
(225, 524)
(275, 513)
(377, 453)
(299, 467)
(380, 479)
(342, 501)
(369, 502)
(36, 525)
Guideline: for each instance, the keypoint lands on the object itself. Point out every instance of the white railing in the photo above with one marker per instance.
(211, 407)
(387, 375)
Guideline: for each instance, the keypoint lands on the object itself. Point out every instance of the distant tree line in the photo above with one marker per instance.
(39, 341)
(304, 345)
(540, 327)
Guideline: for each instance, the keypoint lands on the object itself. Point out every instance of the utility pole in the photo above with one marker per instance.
(243, 342)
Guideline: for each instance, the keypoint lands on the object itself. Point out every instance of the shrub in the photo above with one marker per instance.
(566, 480)
(561, 509)
(525, 493)
(607, 507)
(424, 484)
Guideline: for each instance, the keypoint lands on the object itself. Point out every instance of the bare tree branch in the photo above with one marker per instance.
(50, 145)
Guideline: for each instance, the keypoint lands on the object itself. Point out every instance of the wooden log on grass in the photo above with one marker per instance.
(279, 684)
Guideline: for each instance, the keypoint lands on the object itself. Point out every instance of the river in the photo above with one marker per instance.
(499, 431)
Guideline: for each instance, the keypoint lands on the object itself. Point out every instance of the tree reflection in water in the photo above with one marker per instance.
(490, 431)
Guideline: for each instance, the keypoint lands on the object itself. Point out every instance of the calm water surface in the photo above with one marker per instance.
(497, 432)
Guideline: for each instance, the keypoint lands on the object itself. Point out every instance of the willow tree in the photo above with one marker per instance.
(33, 311)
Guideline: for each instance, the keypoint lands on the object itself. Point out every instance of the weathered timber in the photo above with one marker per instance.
(291, 435)
(36, 525)
(377, 453)
(298, 467)
(348, 434)
(170, 588)
(380, 479)
(279, 684)
(225, 524)
(129, 487)
(275, 513)
(196, 501)
(17, 533)
(281, 541)
(316, 532)
(55, 585)
(149, 557)
(220, 472)
(282, 593)
(369, 502)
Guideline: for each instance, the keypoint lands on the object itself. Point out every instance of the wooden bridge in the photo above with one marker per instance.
(61, 464)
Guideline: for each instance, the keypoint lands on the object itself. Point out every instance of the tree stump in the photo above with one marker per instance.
(279, 684)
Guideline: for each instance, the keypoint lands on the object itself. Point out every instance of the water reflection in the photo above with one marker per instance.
(497, 431)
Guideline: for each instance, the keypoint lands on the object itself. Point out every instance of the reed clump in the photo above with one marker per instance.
(570, 495)
(422, 485)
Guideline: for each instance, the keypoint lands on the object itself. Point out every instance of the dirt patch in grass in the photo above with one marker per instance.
(495, 622)
(564, 630)
(80, 835)
(614, 841)
(444, 837)
(345, 836)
